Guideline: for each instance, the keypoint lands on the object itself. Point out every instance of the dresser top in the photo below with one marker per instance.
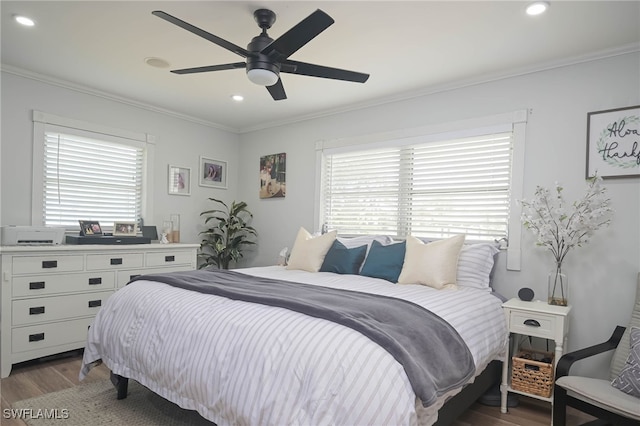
(94, 247)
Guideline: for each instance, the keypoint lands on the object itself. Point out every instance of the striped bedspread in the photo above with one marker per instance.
(241, 363)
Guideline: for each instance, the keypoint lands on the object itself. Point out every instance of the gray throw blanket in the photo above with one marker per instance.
(433, 354)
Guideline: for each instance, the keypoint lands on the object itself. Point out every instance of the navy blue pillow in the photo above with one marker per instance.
(384, 261)
(342, 260)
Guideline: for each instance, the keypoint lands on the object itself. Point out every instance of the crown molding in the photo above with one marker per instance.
(430, 90)
(109, 96)
(459, 84)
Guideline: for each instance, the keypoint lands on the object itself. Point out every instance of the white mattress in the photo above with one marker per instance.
(242, 363)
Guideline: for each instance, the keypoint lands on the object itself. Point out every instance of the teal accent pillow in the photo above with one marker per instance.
(384, 261)
(343, 260)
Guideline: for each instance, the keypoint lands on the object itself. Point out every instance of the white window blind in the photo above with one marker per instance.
(90, 179)
(435, 189)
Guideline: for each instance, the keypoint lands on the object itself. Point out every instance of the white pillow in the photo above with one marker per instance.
(308, 252)
(475, 264)
(434, 264)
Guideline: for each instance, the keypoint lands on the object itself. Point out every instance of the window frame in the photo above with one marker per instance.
(44, 122)
(514, 121)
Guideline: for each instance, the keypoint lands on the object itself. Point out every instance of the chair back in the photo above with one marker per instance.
(622, 351)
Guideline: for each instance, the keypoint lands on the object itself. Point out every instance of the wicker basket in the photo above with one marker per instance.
(531, 373)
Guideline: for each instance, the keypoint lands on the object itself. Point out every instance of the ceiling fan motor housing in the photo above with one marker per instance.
(259, 60)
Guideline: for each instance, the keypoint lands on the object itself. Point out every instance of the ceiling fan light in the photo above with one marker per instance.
(262, 77)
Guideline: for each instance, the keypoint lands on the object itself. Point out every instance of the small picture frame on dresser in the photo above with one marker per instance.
(90, 227)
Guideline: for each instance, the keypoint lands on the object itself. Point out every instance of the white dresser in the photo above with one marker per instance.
(50, 294)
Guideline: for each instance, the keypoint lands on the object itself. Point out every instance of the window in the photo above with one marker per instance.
(86, 175)
(433, 182)
(435, 189)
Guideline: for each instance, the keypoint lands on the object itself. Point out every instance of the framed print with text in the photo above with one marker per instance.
(613, 143)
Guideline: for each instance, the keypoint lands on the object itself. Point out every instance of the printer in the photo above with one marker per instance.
(31, 235)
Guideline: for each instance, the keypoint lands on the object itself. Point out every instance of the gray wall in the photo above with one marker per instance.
(601, 274)
(178, 142)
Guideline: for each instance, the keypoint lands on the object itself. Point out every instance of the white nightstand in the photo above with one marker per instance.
(536, 319)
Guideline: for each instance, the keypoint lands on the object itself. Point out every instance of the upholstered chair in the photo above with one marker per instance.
(597, 397)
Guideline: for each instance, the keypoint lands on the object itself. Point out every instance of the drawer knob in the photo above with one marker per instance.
(36, 337)
(36, 285)
(36, 310)
(94, 281)
(532, 323)
(48, 264)
(116, 261)
(169, 258)
(95, 303)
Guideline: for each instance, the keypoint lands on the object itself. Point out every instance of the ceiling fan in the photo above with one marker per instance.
(267, 58)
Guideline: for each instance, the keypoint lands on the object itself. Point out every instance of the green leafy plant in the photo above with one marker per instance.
(227, 234)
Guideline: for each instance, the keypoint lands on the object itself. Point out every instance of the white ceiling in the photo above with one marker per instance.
(409, 48)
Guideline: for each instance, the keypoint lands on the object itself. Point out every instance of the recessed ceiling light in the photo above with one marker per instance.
(23, 20)
(237, 98)
(156, 62)
(537, 8)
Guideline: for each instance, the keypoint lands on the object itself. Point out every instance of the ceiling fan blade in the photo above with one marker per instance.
(221, 67)
(277, 91)
(303, 68)
(202, 33)
(301, 34)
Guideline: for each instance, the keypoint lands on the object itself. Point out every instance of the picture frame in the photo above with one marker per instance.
(213, 173)
(613, 143)
(179, 180)
(273, 176)
(125, 229)
(90, 227)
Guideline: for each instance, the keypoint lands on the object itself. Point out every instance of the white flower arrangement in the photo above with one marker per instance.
(560, 226)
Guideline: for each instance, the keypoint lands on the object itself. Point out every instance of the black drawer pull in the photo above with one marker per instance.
(133, 276)
(36, 285)
(48, 264)
(37, 310)
(116, 261)
(532, 323)
(95, 303)
(36, 337)
(94, 281)
(169, 258)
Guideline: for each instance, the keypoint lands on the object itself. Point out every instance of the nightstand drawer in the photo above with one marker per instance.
(533, 324)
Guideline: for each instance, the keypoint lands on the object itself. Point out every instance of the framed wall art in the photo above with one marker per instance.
(213, 173)
(613, 143)
(125, 228)
(273, 175)
(179, 180)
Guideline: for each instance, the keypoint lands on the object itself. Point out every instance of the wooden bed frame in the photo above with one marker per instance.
(446, 415)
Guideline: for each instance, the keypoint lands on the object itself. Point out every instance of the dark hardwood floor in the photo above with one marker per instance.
(39, 377)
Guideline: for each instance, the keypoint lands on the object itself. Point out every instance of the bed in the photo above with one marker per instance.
(241, 362)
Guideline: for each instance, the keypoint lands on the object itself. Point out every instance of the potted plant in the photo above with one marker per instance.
(226, 235)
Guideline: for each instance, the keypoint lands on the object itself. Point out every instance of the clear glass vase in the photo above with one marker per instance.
(558, 287)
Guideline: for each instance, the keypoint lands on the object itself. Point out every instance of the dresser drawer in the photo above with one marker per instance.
(169, 258)
(50, 335)
(49, 264)
(114, 261)
(125, 276)
(42, 285)
(32, 311)
(532, 324)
